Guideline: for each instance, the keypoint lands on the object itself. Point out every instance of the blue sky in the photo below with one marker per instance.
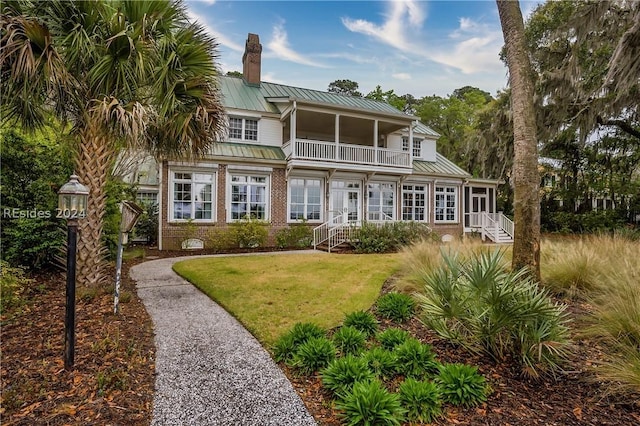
(417, 47)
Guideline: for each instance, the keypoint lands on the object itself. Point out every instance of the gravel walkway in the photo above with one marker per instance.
(209, 369)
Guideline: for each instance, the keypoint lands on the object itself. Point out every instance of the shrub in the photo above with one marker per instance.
(147, 225)
(295, 236)
(396, 306)
(221, 240)
(250, 233)
(369, 403)
(481, 306)
(342, 373)
(12, 286)
(389, 236)
(381, 362)
(363, 321)
(572, 268)
(287, 344)
(313, 355)
(462, 385)
(349, 340)
(422, 400)
(415, 359)
(392, 337)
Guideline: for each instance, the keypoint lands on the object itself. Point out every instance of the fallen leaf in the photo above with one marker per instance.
(578, 413)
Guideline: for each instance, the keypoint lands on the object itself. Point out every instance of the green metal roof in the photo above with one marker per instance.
(239, 95)
(243, 150)
(425, 130)
(440, 167)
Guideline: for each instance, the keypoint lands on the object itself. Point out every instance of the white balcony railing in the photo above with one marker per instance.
(306, 149)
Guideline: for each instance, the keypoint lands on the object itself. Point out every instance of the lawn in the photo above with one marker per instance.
(268, 294)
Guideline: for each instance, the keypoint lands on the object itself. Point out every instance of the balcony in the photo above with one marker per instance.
(311, 150)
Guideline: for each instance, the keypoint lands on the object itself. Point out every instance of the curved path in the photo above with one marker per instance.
(209, 369)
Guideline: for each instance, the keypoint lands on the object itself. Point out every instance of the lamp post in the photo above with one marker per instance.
(72, 205)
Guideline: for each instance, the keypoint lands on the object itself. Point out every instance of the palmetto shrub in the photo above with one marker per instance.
(381, 362)
(369, 403)
(398, 307)
(415, 359)
(349, 340)
(363, 321)
(422, 400)
(392, 337)
(342, 373)
(461, 384)
(287, 344)
(475, 302)
(313, 355)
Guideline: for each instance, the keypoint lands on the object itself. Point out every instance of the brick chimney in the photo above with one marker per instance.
(251, 60)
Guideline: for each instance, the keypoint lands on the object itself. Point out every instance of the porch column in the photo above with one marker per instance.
(293, 130)
(411, 144)
(337, 137)
(375, 141)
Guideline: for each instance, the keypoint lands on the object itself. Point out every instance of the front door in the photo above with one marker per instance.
(478, 205)
(344, 200)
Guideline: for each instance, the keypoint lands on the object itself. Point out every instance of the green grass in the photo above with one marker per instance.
(269, 294)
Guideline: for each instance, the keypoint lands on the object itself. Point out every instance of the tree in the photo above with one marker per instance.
(389, 97)
(236, 74)
(344, 87)
(526, 178)
(123, 74)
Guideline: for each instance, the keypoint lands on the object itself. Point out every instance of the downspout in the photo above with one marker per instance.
(160, 197)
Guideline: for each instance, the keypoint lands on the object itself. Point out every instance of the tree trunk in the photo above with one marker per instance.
(526, 178)
(93, 163)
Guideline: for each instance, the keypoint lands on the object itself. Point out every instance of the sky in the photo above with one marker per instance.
(418, 47)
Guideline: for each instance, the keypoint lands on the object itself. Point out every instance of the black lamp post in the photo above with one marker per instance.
(72, 205)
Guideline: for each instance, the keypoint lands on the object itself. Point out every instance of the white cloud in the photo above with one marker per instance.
(220, 38)
(475, 49)
(403, 14)
(279, 48)
(401, 76)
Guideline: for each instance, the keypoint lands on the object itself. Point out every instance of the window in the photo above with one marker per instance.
(416, 146)
(249, 197)
(192, 196)
(147, 198)
(446, 204)
(414, 203)
(304, 199)
(243, 129)
(381, 201)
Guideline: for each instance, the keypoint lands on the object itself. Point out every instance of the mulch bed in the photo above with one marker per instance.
(113, 379)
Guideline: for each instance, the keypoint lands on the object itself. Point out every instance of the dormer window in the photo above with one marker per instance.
(244, 129)
(416, 146)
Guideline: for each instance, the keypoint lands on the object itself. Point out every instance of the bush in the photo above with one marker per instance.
(396, 306)
(287, 344)
(422, 400)
(12, 286)
(295, 236)
(342, 373)
(392, 337)
(363, 321)
(389, 236)
(381, 362)
(481, 306)
(221, 240)
(349, 340)
(369, 403)
(462, 385)
(415, 359)
(250, 233)
(147, 225)
(313, 355)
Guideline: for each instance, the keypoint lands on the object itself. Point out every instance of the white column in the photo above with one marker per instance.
(375, 140)
(293, 130)
(337, 137)
(411, 144)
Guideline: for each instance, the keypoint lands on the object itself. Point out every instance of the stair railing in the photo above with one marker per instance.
(506, 224)
(321, 232)
(341, 233)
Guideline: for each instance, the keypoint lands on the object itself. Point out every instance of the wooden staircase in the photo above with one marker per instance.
(497, 228)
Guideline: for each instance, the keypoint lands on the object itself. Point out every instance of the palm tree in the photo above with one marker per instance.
(526, 178)
(123, 74)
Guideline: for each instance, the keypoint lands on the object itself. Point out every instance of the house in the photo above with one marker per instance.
(330, 160)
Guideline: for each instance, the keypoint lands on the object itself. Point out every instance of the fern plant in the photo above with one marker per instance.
(369, 403)
(422, 400)
(398, 307)
(461, 384)
(349, 340)
(342, 373)
(363, 321)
